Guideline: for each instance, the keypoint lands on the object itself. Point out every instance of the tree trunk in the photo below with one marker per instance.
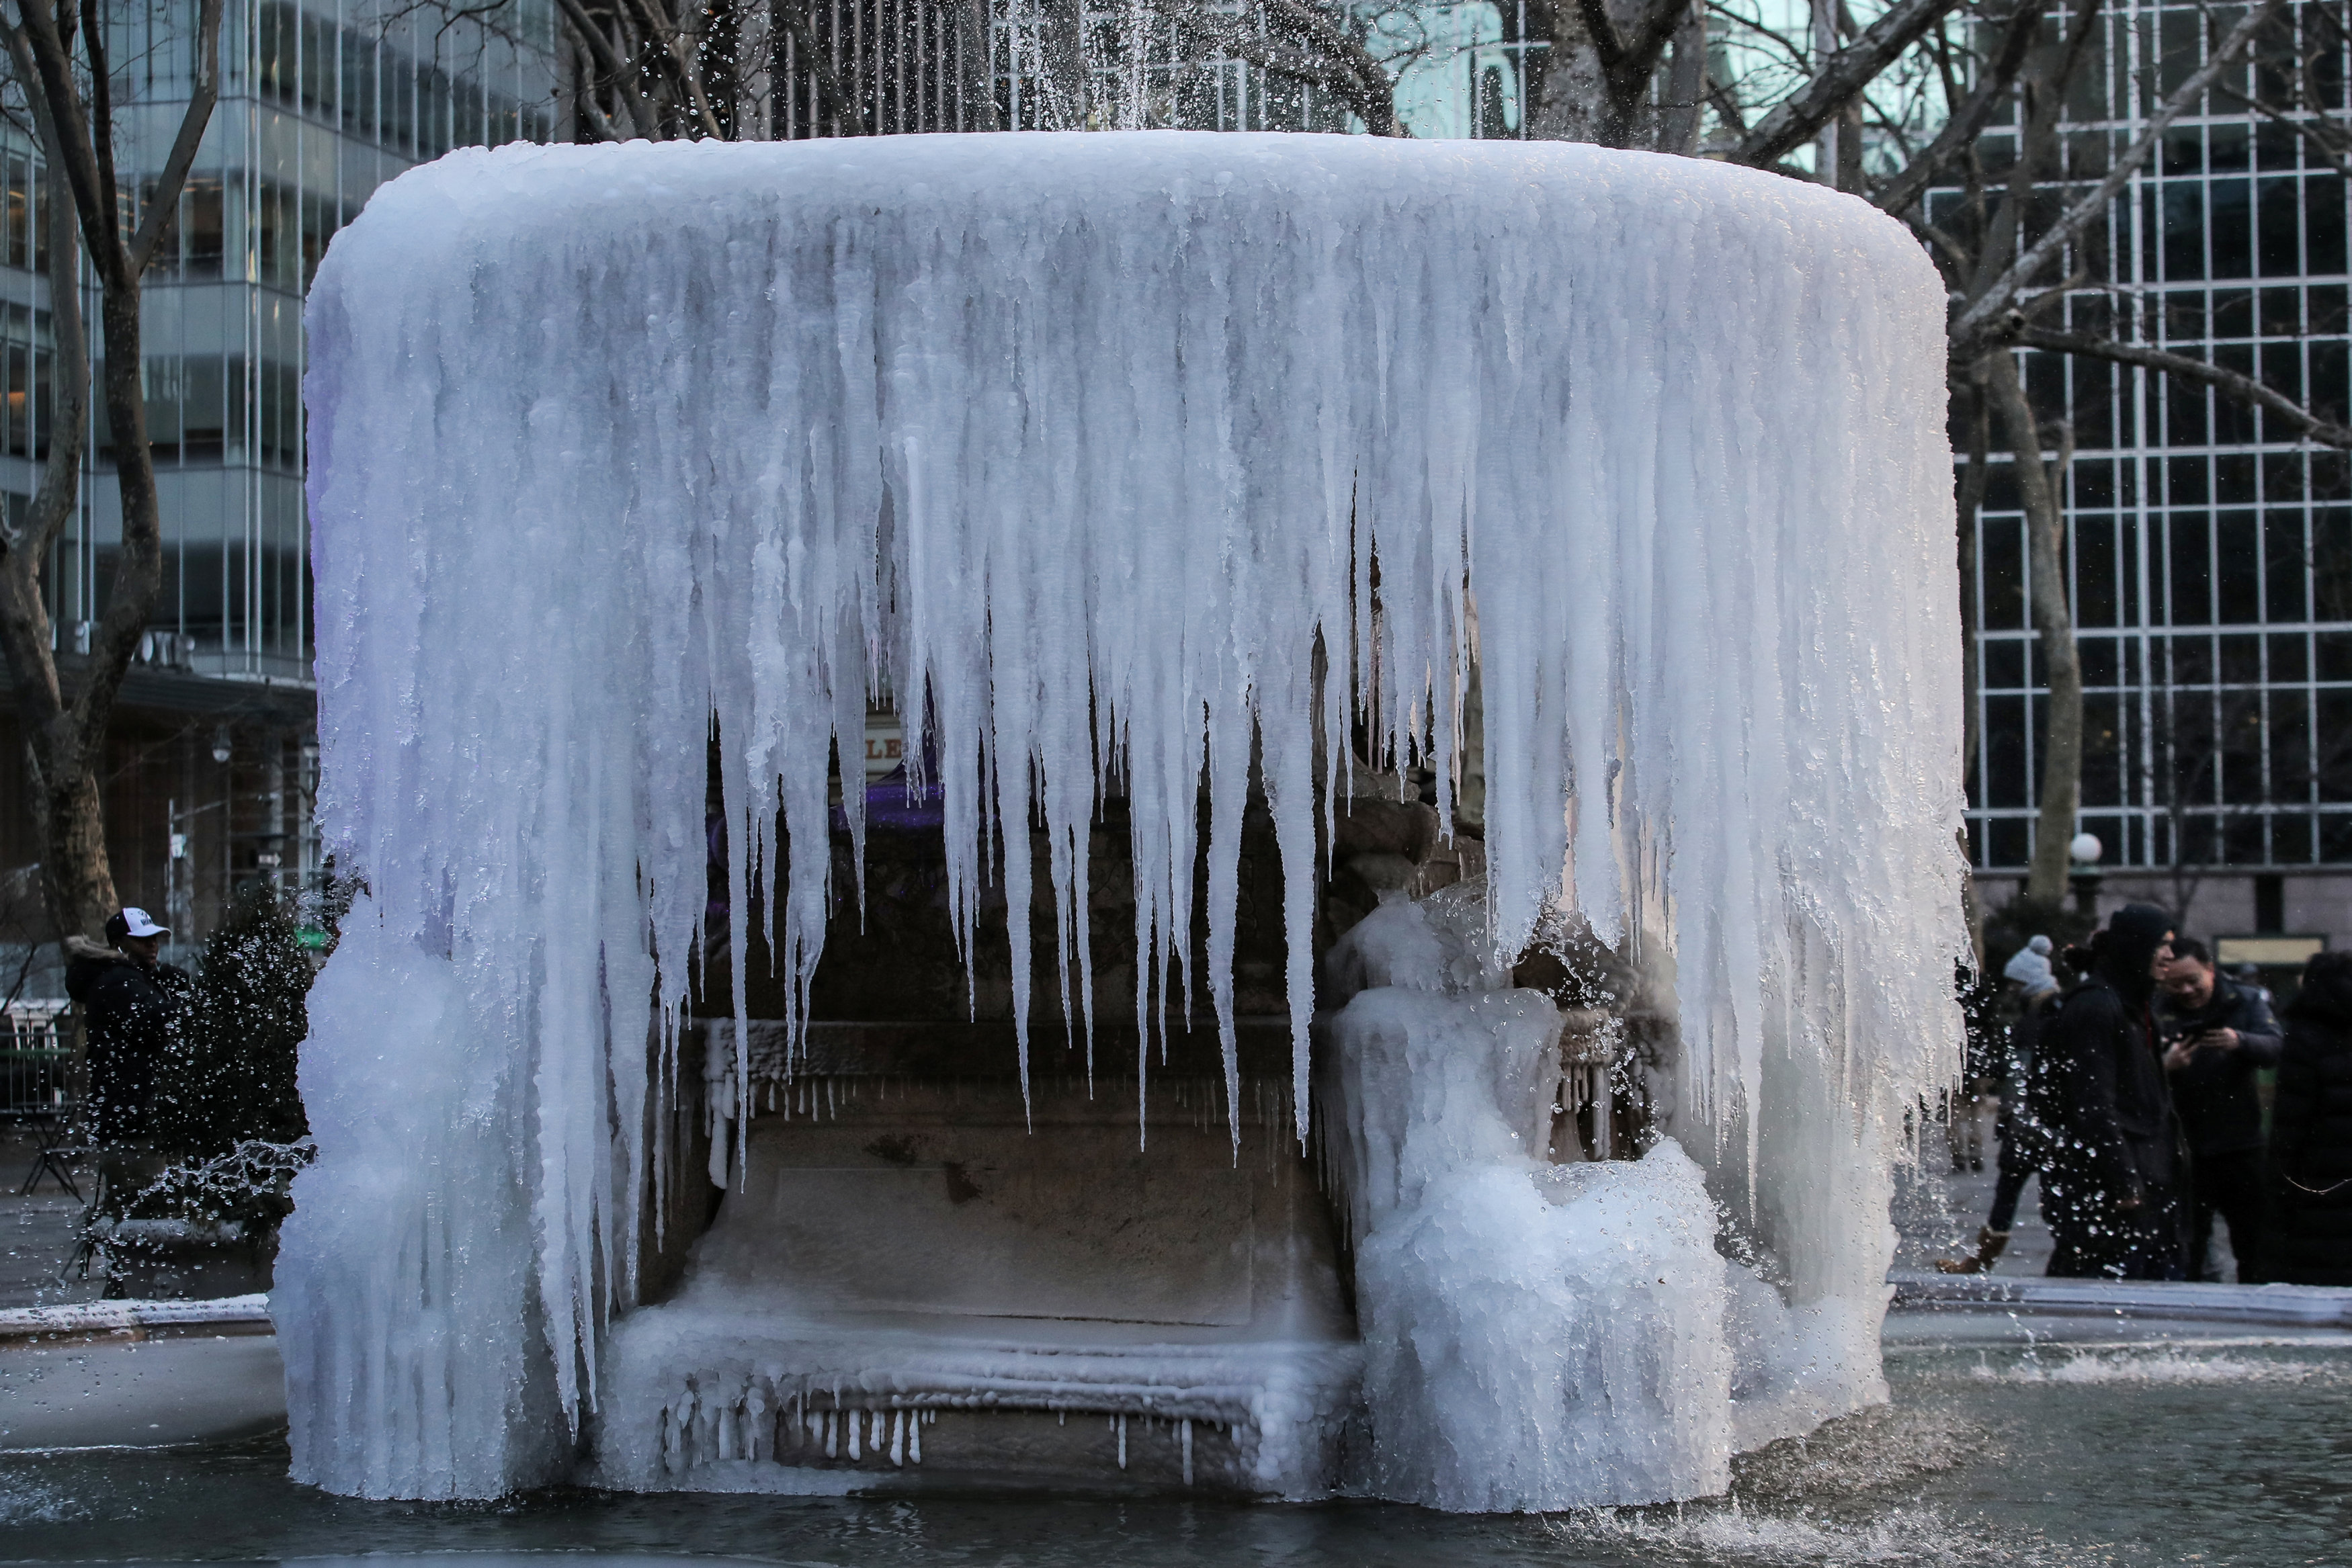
(66, 733)
(76, 876)
(1971, 502)
(69, 749)
(2061, 753)
(1570, 103)
(77, 880)
(1683, 112)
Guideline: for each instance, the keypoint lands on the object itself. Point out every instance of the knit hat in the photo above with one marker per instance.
(2030, 967)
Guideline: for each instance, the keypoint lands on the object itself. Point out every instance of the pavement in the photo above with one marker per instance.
(1938, 1210)
(37, 1231)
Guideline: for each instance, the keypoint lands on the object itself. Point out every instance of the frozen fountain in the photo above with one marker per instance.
(1162, 476)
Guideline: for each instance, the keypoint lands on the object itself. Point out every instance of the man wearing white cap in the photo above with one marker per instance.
(136, 1009)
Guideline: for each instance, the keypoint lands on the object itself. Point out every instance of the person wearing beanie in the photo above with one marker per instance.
(2112, 1181)
(2021, 1141)
(2031, 970)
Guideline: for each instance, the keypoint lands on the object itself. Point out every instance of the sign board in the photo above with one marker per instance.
(2231, 951)
(886, 744)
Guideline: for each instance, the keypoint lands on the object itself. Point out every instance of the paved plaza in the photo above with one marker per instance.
(37, 1232)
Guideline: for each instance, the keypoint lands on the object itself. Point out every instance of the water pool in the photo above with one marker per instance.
(2001, 1447)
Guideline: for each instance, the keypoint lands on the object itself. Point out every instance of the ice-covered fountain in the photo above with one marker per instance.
(1170, 468)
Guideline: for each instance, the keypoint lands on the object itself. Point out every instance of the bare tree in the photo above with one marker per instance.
(69, 84)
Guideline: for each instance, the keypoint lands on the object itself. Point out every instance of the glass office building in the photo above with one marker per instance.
(2210, 551)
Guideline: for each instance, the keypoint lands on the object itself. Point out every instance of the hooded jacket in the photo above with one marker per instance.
(2098, 1089)
(2310, 1234)
(134, 1017)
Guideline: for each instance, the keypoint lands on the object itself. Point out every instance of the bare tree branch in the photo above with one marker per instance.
(1977, 321)
(2322, 132)
(203, 93)
(590, 36)
(1962, 130)
(1842, 78)
(1332, 59)
(2235, 384)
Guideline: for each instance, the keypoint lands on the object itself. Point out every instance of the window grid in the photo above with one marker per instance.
(2210, 558)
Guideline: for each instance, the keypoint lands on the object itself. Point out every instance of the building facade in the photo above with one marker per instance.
(2209, 550)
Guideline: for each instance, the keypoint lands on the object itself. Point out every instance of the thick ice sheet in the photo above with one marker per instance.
(1088, 439)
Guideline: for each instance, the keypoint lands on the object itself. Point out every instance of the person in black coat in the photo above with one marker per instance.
(135, 1007)
(2021, 1138)
(2221, 1034)
(2309, 1242)
(2111, 1184)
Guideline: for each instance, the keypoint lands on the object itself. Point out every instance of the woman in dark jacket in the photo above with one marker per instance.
(2310, 1241)
(2111, 1172)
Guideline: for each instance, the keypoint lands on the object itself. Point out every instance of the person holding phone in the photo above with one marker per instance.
(2218, 1035)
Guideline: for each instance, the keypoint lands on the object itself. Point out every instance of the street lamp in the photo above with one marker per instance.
(2085, 850)
(220, 743)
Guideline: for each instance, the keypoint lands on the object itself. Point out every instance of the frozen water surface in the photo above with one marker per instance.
(1972, 1463)
(1083, 446)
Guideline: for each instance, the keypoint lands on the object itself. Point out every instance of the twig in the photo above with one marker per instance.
(1975, 322)
(2235, 384)
(1962, 129)
(1795, 121)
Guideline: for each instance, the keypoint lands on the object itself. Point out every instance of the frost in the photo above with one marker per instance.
(1080, 443)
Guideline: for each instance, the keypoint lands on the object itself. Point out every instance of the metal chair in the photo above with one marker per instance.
(37, 1092)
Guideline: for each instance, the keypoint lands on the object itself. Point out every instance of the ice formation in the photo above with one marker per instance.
(1089, 440)
(1542, 1334)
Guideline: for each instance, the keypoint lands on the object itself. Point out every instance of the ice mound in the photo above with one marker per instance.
(1539, 1335)
(1082, 444)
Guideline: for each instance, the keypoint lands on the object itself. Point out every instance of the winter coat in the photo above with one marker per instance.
(2310, 1234)
(2097, 1093)
(134, 1017)
(2215, 1094)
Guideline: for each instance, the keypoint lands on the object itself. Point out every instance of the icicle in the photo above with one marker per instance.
(1185, 1443)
